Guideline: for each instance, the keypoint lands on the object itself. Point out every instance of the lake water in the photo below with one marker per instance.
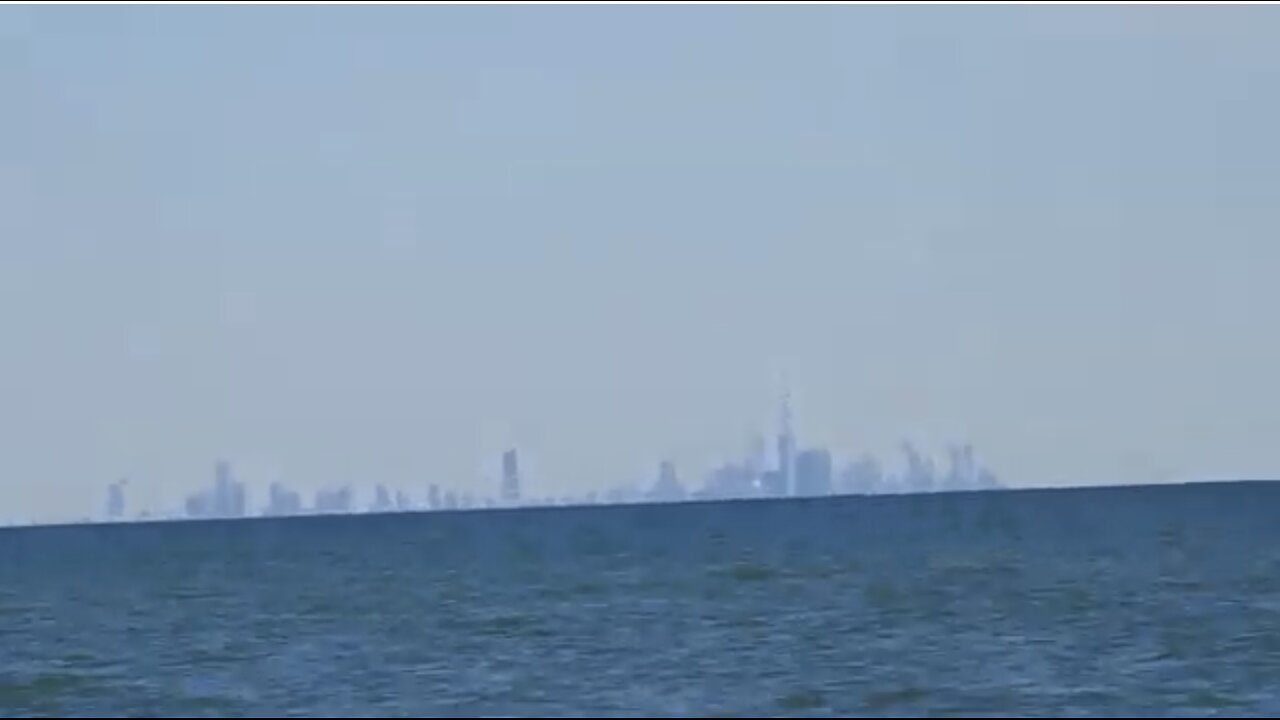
(1156, 602)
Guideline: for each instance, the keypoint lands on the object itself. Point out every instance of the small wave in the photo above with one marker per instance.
(882, 594)
(805, 699)
(42, 688)
(210, 705)
(1210, 700)
(751, 572)
(189, 594)
(516, 625)
(881, 699)
(587, 587)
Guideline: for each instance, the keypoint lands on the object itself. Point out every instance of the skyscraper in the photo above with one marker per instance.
(510, 478)
(239, 500)
(381, 500)
(667, 488)
(813, 473)
(228, 496)
(864, 477)
(772, 484)
(221, 487)
(115, 500)
(756, 462)
(786, 449)
(198, 505)
(334, 501)
(919, 473)
(283, 501)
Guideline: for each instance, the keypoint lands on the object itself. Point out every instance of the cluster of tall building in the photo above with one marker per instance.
(814, 474)
(790, 472)
(811, 472)
(228, 498)
(386, 501)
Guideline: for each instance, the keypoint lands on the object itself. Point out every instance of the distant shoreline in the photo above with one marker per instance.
(686, 503)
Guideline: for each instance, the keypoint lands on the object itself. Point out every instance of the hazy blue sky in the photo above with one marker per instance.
(358, 244)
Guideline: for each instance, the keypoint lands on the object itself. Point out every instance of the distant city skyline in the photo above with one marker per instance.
(349, 246)
(795, 470)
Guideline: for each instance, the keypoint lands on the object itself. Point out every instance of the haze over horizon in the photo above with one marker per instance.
(381, 245)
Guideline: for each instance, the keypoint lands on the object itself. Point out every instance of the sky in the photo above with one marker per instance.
(360, 245)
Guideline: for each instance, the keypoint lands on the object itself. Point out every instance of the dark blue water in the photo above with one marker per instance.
(1149, 602)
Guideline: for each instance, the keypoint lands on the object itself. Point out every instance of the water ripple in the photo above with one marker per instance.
(1081, 603)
